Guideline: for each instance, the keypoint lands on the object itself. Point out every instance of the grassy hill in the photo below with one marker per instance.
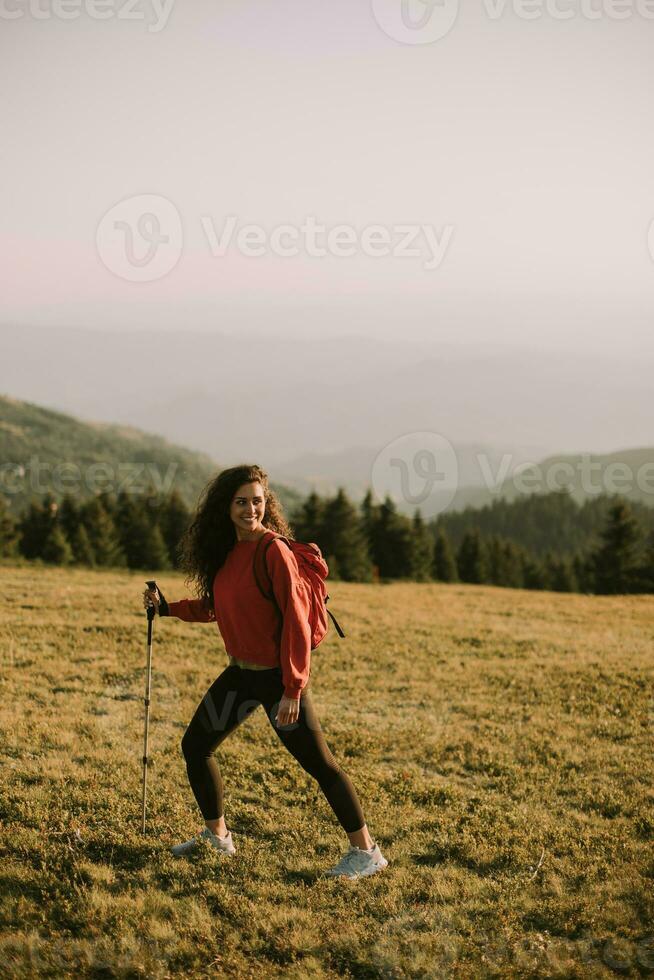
(44, 450)
(500, 742)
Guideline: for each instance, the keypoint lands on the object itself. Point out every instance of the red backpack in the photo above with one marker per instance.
(313, 571)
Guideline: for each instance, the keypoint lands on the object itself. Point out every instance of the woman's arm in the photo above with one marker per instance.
(189, 610)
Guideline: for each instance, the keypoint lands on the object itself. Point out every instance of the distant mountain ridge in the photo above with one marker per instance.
(270, 398)
(352, 468)
(61, 442)
(45, 450)
(482, 476)
(628, 472)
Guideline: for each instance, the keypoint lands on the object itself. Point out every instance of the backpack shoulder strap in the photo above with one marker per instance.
(333, 619)
(260, 564)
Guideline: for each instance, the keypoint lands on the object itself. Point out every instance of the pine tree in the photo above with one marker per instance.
(155, 553)
(646, 568)
(369, 515)
(617, 560)
(132, 527)
(533, 573)
(392, 542)
(513, 565)
(583, 568)
(308, 520)
(82, 548)
(343, 540)
(546, 565)
(33, 529)
(102, 534)
(472, 558)
(68, 516)
(35, 526)
(109, 502)
(332, 565)
(540, 522)
(423, 549)
(174, 519)
(565, 580)
(140, 536)
(70, 521)
(497, 572)
(444, 566)
(504, 563)
(495, 560)
(8, 532)
(56, 549)
(559, 574)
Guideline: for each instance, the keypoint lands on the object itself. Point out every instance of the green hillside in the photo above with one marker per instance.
(42, 451)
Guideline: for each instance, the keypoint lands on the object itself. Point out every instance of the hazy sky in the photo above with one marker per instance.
(525, 145)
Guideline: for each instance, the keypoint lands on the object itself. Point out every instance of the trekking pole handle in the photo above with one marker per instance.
(152, 585)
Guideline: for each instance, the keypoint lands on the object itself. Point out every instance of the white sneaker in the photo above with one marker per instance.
(358, 863)
(224, 844)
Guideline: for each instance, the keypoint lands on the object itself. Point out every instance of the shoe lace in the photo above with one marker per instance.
(353, 859)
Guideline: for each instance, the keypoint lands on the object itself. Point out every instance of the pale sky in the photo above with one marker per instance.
(530, 140)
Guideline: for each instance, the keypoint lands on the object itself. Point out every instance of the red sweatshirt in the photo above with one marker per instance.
(249, 624)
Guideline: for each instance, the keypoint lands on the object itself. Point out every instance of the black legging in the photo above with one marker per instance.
(232, 697)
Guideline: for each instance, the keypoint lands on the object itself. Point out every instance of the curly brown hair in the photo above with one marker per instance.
(211, 534)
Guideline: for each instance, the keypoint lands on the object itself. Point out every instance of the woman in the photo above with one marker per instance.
(269, 661)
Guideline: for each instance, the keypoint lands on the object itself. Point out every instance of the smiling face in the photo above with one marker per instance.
(247, 509)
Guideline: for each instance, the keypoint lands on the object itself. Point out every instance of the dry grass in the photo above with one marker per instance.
(500, 742)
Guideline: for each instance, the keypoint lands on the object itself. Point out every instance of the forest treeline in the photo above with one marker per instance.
(546, 541)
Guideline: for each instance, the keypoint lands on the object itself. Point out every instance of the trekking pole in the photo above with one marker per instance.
(148, 676)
